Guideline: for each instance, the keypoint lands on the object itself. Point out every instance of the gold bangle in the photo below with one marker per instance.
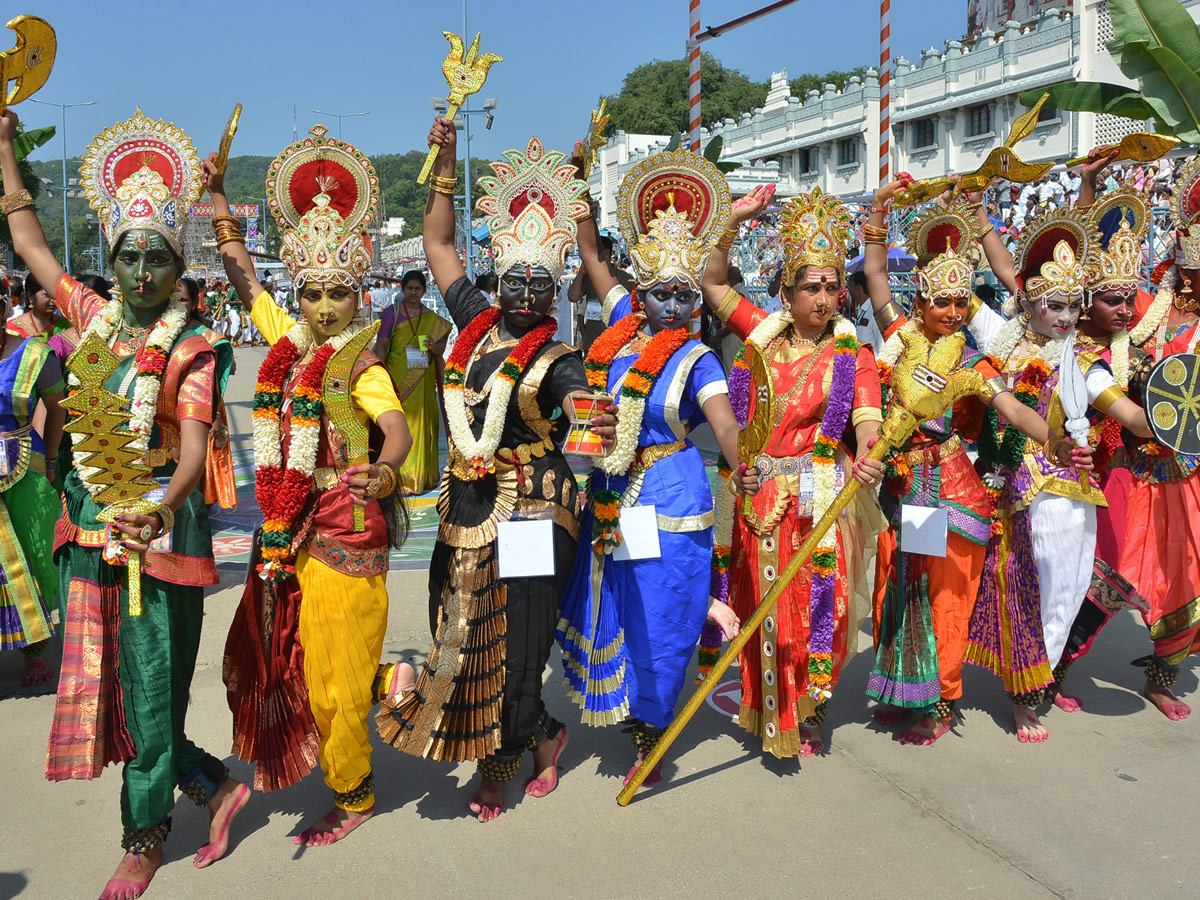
(891, 313)
(230, 239)
(10, 203)
(872, 240)
(450, 183)
(389, 479)
(727, 238)
(875, 231)
(219, 220)
(1050, 448)
(984, 231)
(438, 189)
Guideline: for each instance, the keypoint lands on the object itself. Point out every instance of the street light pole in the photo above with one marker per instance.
(339, 117)
(66, 221)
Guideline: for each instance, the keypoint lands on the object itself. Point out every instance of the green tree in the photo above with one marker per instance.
(805, 83)
(654, 96)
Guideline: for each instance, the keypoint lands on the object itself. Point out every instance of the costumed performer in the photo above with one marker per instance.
(412, 344)
(29, 504)
(923, 602)
(821, 386)
(1161, 556)
(130, 640)
(1122, 221)
(1041, 553)
(629, 626)
(302, 658)
(479, 696)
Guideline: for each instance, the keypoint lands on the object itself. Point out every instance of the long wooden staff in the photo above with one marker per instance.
(895, 430)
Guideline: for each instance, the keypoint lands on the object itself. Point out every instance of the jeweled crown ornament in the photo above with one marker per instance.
(1119, 261)
(672, 207)
(323, 192)
(946, 277)
(532, 204)
(1187, 252)
(142, 174)
(934, 229)
(1054, 255)
(1063, 277)
(815, 231)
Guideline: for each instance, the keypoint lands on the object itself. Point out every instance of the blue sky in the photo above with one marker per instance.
(191, 62)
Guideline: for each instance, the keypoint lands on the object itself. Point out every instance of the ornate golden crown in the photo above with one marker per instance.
(323, 194)
(1063, 276)
(669, 251)
(815, 232)
(142, 174)
(322, 249)
(532, 203)
(672, 206)
(1119, 261)
(947, 276)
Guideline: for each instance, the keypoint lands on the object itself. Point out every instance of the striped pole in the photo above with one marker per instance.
(693, 47)
(885, 89)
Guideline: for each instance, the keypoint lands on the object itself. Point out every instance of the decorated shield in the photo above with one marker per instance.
(753, 438)
(1173, 403)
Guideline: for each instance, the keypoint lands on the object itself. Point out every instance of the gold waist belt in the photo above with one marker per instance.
(19, 433)
(158, 456)
(932, 455)
(505, 458)
(648, 456)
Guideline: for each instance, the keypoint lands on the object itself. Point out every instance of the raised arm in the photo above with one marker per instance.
(713, 283)
(1098, 161)
(29, 241)
(239, 267)
(440, 252)
(587, 243)
(875, 254)
(997, 254)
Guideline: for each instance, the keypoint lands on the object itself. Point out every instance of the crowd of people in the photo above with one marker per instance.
(1013, 560)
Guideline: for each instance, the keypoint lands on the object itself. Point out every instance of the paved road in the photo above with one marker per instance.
(1106, 808)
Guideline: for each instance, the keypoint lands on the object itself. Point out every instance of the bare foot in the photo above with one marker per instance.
(1166, 701)
(1030, 729)
(924, 732)
(810, 740)
(1066, 702)
(545, 766)
(654, 776)
(332, 828)
(488, 801)
(887, 715)
(133, 875)
(36, 671)
(226, 803)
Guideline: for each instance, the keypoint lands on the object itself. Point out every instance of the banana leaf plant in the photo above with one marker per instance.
(1156, 44)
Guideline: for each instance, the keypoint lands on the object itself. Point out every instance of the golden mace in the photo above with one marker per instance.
(465, 75)
(921, 394)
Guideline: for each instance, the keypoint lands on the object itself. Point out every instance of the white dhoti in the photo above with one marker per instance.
(1064, 547)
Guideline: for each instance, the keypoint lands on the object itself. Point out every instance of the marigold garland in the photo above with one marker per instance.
(639, 381)
(481, 453)
(606, 520)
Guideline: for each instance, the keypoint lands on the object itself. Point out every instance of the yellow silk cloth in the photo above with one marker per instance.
(343, 619)
(417, 388)
(372, 393)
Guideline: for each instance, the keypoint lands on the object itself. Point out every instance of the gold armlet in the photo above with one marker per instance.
(889, 315)
(10, 203)
(1107, 398)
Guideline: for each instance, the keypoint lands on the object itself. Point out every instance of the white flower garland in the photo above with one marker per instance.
(1157, 312)
(629, 428)
(1119, 354)
(146, 388)
(305, 439)
(454, 399)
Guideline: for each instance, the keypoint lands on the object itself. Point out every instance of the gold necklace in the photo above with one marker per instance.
(781, 403)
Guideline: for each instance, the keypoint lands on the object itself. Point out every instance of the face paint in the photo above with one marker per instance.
(1056, 317)
(526, 295)
(328, 308)
(669, 305)
(145, 268)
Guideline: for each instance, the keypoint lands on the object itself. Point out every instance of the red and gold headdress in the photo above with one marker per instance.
(532, 202)
(815, 232)
(323, 194)
(1054, 256)
(934, 229)
(672, 207)
(1121, 219)
(1185, 211)
(142, 174)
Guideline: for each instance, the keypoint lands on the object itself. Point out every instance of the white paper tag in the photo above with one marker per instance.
(923, 530)
(4, 459)
(639, 534)
(416, 358)
(525, 548)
